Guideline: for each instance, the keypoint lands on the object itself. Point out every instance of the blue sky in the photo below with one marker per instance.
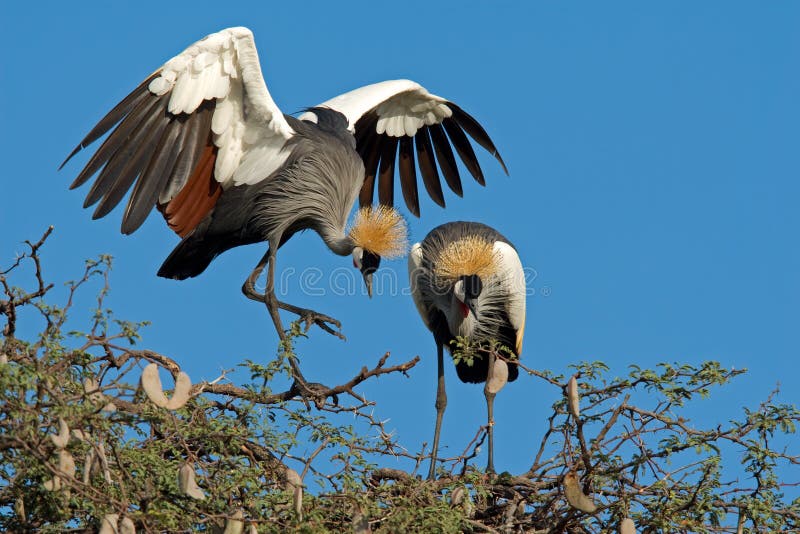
(653, 152)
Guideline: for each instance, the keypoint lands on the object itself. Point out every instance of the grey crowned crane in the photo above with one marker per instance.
(202, 140)
(467, 281)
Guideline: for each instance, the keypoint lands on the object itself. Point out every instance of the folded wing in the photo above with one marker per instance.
(202, 122)
(399, 124)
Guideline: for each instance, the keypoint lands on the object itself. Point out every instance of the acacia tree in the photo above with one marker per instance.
(91, 441)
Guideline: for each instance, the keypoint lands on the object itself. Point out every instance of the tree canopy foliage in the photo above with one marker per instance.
(89, 440)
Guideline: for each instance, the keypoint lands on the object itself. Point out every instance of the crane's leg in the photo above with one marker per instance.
(309, 316)
(490, 394)
(441, 404)
(301, 385)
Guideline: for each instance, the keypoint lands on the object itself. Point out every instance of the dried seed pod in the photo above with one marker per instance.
(461, 497)
(498, 377)
(234, 524)
(54, 484)
(126, 526)
(520, 509)
(180, 395)
(110, 407)
(19, 509)
(292, 482)
(61, 439)
(573, 398)
(360, 521)
(575, 496)
(3, 358)
(92, 389)
(457, 496)
(187, 483)
(79, 434)
(109, 524)
(626, 526)
(151, 384)
(101, 455)
(66, 463)
(251, 529)
(88, 465)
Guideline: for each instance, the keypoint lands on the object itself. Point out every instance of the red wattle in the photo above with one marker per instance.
(464, 309)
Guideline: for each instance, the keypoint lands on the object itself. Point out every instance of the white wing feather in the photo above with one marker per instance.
(514, 277)
(403, 107)
(225, 66)
(414, 269)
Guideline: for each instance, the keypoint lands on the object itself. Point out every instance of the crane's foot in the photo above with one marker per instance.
(310, 317)
(307, 316)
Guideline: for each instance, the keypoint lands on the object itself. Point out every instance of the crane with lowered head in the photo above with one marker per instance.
(202, 140)
(467, 282)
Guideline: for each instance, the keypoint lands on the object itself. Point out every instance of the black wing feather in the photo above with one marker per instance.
(386, 173)
(143, 144)
(427, 166)
(408, 174)
(446, 158)
(152, 181)
(114, 116)
(476, 131)
(464, 149)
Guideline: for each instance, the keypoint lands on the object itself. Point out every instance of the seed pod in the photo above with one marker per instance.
(234, 524)
(3, 358)
(92, 389)
(360, 521)
(151, 384)
(19, 509)
(110, 407)
(292, 482)
(180, 395)
(520, 509)
(187, 483)
(101, 455)
(61, 439)
(126, 526)
(251, 529)
(79, 434)
(66, 463)
(498, 377)
(88, 464)
(457, 496)
(626, 526)
(54, 484)
(575, 496)
(109, 524)
(573, 398)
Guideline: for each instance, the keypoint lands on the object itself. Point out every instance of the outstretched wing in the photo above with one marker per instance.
(396, 119)
(202, 122)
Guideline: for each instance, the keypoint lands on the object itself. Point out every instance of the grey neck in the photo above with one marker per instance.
(339, 243)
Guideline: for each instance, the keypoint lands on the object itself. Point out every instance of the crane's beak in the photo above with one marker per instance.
(368, 283)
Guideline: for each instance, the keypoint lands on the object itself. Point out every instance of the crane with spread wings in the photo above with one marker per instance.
(202, 140)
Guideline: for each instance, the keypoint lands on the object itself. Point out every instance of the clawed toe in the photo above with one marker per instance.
(325, 322)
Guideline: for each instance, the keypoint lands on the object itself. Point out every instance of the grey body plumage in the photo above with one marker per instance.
(314, 190)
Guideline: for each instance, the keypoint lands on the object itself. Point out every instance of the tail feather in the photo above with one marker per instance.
(191, 257)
